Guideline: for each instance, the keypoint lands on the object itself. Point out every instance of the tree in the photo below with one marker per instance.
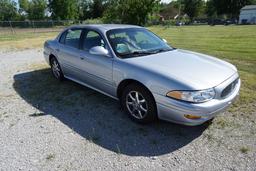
(8, 10)
(33, 9)
(64, 9)
(130, 11)
(37, 9)
(92, 8)
(84, 11)
(210, 9)
(97, 8)
(229, 7)
(24, 5)
(193, 8)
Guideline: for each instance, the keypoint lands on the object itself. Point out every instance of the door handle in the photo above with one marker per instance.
(57, 50)
(82, 58)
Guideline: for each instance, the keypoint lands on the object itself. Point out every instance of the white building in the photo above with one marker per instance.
(248, 15)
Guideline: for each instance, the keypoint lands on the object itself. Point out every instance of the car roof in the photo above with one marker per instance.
(105, 27)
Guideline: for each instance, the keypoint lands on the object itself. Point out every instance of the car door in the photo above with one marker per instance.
(98, 68)
(69, 53)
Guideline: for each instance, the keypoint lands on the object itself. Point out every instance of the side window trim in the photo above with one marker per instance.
(80, 46)
(83, 36)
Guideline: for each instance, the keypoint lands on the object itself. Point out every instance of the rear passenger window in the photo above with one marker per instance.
(92, 39)
(72, 38)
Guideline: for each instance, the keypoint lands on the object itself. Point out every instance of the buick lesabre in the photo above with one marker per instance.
(149, 77)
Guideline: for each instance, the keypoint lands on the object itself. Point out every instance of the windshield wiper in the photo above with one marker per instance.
(138, 53)
(161, 50)
(142, 53)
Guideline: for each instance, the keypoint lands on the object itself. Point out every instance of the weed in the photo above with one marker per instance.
(221, 122)
(244, 150)
(118, 151)
(50, 156)
(37, 114)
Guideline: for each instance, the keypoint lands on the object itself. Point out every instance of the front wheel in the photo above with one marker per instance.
(139, 103)
(56, 69)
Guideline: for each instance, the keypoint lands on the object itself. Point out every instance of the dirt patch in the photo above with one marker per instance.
(47, 125)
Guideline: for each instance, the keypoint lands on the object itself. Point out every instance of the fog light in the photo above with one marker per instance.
(192, 117)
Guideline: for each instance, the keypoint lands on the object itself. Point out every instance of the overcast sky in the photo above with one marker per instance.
(166, 1)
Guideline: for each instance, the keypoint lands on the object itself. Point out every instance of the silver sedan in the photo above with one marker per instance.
(150, 78)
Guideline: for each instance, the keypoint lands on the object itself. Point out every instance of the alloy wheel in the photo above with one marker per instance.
(136, 104)
(56, 69)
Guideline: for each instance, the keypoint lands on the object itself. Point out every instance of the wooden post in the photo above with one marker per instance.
(10, 23)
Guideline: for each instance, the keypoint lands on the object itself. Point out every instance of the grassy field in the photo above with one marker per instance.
(236, 44)
(24, 39)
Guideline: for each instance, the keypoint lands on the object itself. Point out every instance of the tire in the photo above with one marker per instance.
(139, 103)
(56, 69)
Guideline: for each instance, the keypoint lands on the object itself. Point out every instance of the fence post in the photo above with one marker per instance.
(33, 25)
(10, 23)
(52, 28)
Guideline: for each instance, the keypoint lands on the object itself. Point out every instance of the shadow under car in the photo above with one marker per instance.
(98, 118)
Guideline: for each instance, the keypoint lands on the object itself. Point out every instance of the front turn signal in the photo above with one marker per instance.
(192, 117)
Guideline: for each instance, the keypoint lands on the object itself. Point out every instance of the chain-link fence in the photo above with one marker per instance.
(16, 27)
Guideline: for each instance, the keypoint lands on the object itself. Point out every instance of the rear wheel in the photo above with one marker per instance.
(139, 103)
(56, 69)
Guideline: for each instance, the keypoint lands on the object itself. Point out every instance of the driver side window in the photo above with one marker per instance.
(92, 39)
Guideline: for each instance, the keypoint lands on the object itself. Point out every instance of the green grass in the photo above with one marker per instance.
(24, 40)
(24, 35)
(50, 156)
(235, 44)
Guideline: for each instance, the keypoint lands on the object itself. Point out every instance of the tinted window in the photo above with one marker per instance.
(92, 39)
(72, 38)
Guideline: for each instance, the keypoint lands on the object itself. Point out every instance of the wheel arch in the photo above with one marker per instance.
(50, 57)
(126, 82)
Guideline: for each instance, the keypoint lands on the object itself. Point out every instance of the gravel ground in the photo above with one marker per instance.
(47, 125)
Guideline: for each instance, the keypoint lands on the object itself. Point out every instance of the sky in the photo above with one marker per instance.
(166, 1)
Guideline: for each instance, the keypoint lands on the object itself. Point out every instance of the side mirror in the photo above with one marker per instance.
(99, 50)
(165, 41)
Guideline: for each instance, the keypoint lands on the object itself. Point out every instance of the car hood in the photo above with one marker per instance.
(195, 70)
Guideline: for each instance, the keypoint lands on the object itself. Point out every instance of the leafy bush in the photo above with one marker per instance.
(93, 21)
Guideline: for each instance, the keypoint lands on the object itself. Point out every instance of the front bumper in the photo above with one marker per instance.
(174, 110)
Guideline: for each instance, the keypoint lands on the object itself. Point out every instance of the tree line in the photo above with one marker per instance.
(121, 11)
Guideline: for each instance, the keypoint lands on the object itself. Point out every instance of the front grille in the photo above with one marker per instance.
(229, 89)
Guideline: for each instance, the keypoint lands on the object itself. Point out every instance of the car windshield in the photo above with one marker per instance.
(132, 42)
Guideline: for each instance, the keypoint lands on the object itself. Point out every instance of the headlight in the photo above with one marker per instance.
(193, 96)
